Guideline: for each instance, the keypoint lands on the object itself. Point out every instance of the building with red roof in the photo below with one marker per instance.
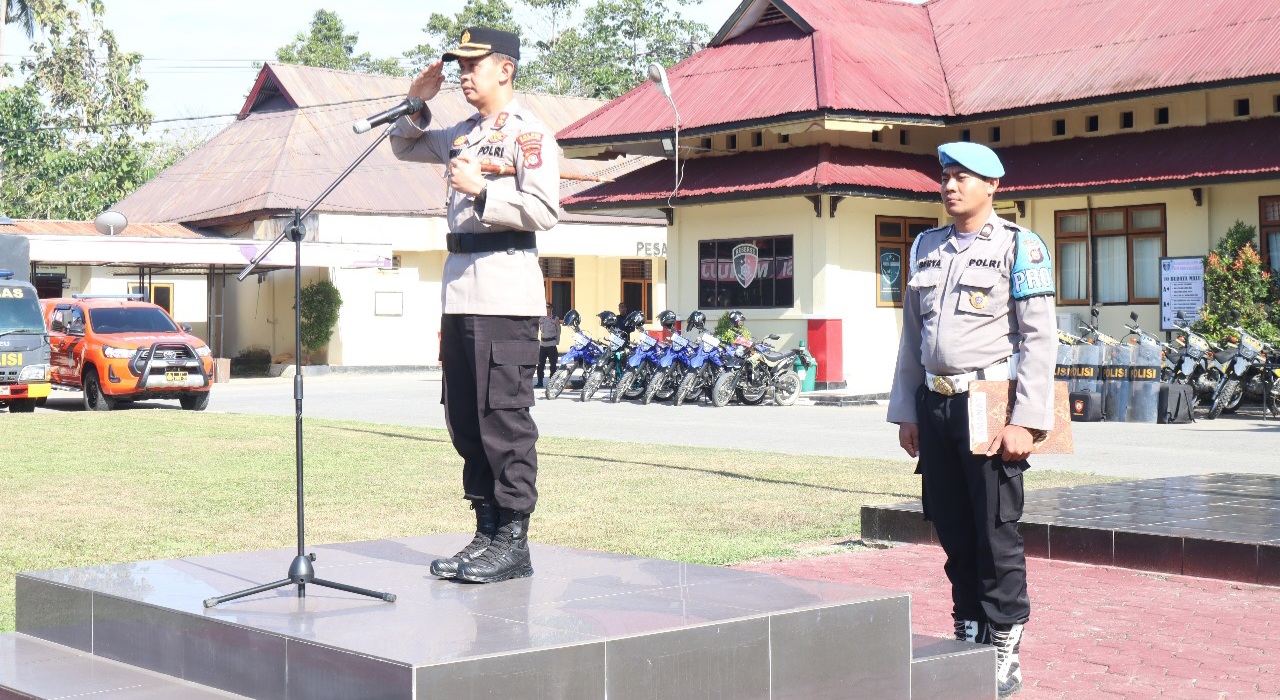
(1130, 132)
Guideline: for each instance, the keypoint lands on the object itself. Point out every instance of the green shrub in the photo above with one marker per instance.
(320, 303)
(1235, 282)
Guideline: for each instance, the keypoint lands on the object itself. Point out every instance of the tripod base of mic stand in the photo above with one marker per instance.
(301, 572)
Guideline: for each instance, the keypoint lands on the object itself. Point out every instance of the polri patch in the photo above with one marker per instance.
(460, 140)
(1032, 268)
(530, 145)
(501, 121)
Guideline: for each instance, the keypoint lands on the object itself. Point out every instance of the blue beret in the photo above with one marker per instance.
(973, 157)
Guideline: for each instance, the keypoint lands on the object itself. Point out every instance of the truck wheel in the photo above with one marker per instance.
(23, 405)
(94, 399)
(195, 402)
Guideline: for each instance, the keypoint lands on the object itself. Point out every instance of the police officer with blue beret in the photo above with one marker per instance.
(979, 305)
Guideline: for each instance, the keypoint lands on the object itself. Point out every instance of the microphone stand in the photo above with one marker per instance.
(301, 572)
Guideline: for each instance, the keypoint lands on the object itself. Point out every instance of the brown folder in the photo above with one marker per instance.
(991, 404)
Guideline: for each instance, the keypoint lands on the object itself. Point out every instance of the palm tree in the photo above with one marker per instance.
(18, 12)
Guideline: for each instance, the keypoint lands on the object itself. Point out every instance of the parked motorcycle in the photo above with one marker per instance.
(674, 364)
(1196, 364)
(616, 346)
(754, 371)
(703, 368)
(643, 362)
(1239, 373)
(582, 356)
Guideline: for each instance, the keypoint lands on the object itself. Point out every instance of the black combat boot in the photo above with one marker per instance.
(1007, 639)
(486, 529)
(506, 557)
(971, 631)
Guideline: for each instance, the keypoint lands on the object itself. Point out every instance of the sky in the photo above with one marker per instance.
(197, 57)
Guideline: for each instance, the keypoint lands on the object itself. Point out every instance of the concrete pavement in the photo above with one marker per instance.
(1231, 443)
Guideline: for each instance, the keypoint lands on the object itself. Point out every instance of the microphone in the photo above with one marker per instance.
(409, 106)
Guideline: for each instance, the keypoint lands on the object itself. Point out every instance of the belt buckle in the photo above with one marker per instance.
(944, 385)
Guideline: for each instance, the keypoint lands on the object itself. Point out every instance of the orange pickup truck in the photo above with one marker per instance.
(118, 349)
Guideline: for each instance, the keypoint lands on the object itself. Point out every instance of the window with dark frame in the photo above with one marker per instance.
(965, 135)
(1275, 106)
(904, 137)
(160, 294)
(995, 134)
(784, 138)
(1242, 107)
(706, 143)
(637, 285)
(1126, 120)
(1162, 115)
(1091, 123)
(1269, 232)
(894, 236)
(1123, 264)
(757, 139)
(732, 142)
(1059, 127)
(747, 273)
(557, 275)
(875, 137)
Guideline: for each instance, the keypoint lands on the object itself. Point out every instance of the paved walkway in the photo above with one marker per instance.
(1099, 632)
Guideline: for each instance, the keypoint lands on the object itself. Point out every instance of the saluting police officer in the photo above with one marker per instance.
(492, 291)
(979, 306)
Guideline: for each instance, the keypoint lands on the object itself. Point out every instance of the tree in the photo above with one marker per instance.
(443, 32)
(328, 45)
(617, 40)
(1236, 283)
(71, 131)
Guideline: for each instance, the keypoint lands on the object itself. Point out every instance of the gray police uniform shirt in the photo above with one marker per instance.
(549, 329)
(495, 283)
(968, 310)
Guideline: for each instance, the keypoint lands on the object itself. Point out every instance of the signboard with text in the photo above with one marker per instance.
(1181, 289)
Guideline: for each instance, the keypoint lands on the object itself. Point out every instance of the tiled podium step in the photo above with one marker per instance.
(33, 669)
(944, 669)
(1223, 526)
(586, 626)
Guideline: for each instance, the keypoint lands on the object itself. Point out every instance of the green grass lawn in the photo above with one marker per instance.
(83, 488)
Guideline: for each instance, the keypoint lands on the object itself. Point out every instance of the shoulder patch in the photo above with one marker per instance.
(1032, 268)
(529, 137)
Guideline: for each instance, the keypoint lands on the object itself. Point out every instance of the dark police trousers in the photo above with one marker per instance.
(548, 355)
(488, 372)
(974, 502)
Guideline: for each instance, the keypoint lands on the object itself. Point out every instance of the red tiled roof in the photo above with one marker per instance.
(1242, 150)
(875, 57)
(944, 59)
(805, 170)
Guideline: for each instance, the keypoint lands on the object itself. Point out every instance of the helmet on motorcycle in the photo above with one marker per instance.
(634, 321)
(608, 319)
(667, 319)
(737, 318)
(697, 319)
(572, 319)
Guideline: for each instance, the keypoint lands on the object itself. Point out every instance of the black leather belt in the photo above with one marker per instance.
(509, 241)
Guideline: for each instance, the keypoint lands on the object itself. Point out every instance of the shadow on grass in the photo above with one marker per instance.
(673, 467)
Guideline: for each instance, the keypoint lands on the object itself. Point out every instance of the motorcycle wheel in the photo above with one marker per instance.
(1229, 389)
(722, 391)
(655, 384)
(623, 387)
(556, 384)
(686, 387)
(751, 396)
(638, 385)
(786, 388)
(591, 385)
(1234, 403)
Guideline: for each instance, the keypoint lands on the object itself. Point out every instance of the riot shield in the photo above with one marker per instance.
(1086, 373)
(1117, 384)
(1066, 360)
(1145, 376)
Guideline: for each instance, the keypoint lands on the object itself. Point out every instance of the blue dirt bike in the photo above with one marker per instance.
(584, 355)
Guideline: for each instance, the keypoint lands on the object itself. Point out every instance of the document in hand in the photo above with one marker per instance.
(991, 404)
